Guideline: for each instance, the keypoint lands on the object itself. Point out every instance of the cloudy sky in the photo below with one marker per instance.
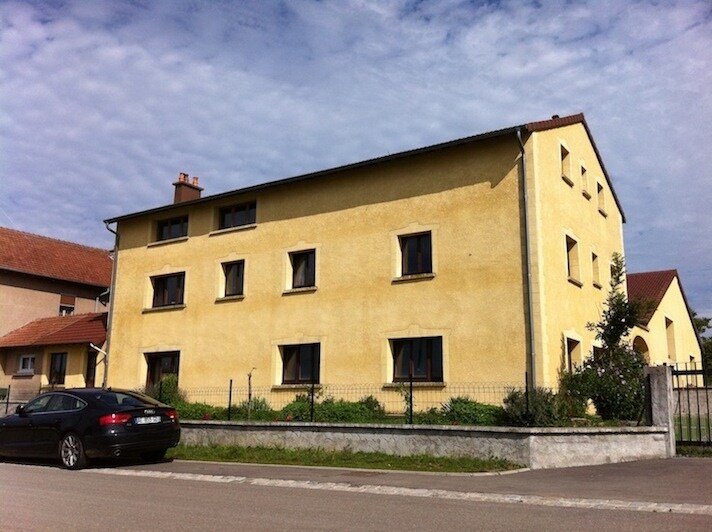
(103, 103)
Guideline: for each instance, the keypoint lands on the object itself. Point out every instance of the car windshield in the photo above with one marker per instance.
(123, 400)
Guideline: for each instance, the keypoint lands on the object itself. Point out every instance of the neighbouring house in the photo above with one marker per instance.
(479, 260)
(42, 277)
(54, 352)
(666, 332)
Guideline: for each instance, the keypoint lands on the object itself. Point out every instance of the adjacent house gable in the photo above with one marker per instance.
(665, 333)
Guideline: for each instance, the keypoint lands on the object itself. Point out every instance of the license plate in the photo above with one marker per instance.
(147, 420)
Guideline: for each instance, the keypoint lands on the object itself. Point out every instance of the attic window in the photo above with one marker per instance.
(172, 228)
(566, 167)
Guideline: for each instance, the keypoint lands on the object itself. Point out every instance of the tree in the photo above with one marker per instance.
(703, 325)
(612, 377)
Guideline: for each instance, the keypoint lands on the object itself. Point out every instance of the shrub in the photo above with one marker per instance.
(258, 410)
(465, 411)
(574, 392)
(374, 406)
(297, 410)
(200, 411)
(166, 390)
(539, 409)
(431, 416)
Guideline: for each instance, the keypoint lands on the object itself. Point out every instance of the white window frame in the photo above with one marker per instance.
(20, 363)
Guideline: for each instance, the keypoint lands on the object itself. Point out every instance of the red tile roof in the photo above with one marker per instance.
(649, 287)
(56, 259)
(59, 330)
(555, 121)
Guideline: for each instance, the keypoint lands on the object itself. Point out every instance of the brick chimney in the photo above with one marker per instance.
(185, 190)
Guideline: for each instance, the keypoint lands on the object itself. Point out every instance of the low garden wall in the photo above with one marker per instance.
(536, 448)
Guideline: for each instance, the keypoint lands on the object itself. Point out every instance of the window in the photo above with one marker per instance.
(26, 365)
(38, 405)
(159, 365)
(168, 289)
(566, 167)
(421, 357)
(64, 403)
(670, 334)
(57, 369)
(90, 370)
(234, 277)
(173, 228)
(66, 304)
(237, 215)
(584, 183)
(595, 271)
(572, 262)
(416, 254)
(601, 199)
(300, 363)
(573, 353)
(303, 268)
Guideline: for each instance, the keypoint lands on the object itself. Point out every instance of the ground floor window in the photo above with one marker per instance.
(300, 363)
(57, 369)
(26, 365)
(420, 357)
(161, 364)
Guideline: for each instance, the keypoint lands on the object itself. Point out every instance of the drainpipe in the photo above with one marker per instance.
(531, 348)
(111, 304)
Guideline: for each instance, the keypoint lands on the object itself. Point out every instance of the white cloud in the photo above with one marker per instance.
(102, 103)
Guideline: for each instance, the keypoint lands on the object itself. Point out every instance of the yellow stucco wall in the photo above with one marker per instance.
(570, 208)
(670, 335)
(467, 195)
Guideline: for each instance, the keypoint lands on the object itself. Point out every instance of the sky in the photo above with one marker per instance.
(102, 103)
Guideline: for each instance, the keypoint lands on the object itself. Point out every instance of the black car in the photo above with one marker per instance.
(83, 423)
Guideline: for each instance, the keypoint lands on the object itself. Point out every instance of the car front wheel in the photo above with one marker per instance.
(71, 452)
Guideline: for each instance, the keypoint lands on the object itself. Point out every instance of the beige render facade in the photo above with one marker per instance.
(466, 310)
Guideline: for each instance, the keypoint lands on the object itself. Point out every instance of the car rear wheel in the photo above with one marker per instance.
(71, 452)
(154, 456)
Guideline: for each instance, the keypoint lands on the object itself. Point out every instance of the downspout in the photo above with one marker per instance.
(112, 295)
(531, 348)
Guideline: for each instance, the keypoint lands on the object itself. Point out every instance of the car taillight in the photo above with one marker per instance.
(172, 414)
(114, 419)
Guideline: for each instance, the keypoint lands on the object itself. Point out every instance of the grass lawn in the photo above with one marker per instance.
(319, 457)
(700, 451)
(692, 428)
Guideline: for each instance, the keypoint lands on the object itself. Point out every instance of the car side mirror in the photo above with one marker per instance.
(20, 410)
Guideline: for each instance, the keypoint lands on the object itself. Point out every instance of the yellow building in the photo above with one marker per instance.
(666, 333)
(479, 259)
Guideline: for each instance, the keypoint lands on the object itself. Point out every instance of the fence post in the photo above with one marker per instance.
(662, 404)
(229, 402)
(249, 395)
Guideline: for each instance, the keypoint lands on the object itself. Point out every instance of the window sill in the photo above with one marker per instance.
(164, 308)
(597, 285)
(575, 282)
(235, 229)
(413, 277)
(167, 241)
(603, 212)
(416, 384)
(301, 290)
(567, 180)
(230, 298)
(586, 194)
(23, 375)
(300, 386)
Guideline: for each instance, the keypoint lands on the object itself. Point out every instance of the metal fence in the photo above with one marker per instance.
(693, 416)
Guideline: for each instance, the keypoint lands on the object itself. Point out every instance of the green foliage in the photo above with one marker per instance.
(258, 410)
(374, 406)
(297, 410)
(431, 416)
(611, 377)
(573, 394)
(200, 411)
(702, 325)
(465, 411)
(166, 390)
(538, 408)
(330, 410)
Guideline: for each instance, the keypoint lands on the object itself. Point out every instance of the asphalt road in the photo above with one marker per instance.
(665, 495)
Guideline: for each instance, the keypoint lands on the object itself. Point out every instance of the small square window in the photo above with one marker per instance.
(300, 363)
(416, 254)
(234, 277)
(168, 289)
(173, 228)
(237, 215)
(26, 365)
(66, 304)
(303, 268)
(573, 353)
(420, 357)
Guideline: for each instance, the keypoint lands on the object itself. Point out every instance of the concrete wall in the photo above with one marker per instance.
(537, 448)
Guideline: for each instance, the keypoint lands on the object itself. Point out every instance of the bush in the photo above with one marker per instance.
(465, 411)
(200, 411)
(431, 416)
(259, 410)
(166, 390)
(297, 410)
(542, 409)
(574, 392)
